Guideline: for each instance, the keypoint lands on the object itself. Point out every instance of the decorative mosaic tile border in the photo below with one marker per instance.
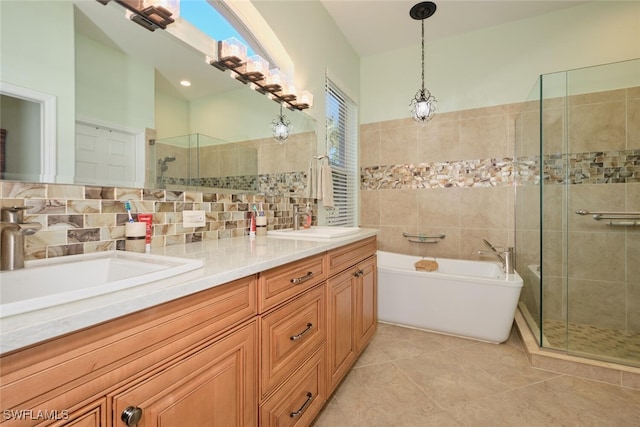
(272, 184)
(459, 174)
(600, 167)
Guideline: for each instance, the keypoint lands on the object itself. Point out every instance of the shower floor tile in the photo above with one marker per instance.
(606, 344)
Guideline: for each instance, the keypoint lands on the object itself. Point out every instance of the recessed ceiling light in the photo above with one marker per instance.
(186, 83)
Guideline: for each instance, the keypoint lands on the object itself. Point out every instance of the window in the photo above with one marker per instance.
(342, 137)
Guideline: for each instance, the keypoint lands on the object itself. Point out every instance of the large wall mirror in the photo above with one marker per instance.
(121, 116)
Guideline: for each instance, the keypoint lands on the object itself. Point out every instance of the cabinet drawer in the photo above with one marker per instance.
(290, 335)
(300, 399)
(282, 283)
(346, 256)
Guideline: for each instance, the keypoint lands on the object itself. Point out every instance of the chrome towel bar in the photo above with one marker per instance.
(621, 219)
(423, 238)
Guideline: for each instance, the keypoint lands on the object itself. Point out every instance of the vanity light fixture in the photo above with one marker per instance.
(423, 105)
(232, 56)
(150, 14)
(281, 127)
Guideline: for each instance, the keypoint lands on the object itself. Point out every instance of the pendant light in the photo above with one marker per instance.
(281, 127)
(423, 105)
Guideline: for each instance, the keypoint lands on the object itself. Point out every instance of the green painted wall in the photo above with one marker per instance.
(500, 64)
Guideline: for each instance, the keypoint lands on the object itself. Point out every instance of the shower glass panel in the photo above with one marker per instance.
(587, 302)
(199, 161)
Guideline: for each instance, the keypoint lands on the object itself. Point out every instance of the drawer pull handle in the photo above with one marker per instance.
(303, 407)
(298, 280)
(358, 273)
(297, 337)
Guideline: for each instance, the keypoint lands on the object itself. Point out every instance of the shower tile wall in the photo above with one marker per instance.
(453, 175)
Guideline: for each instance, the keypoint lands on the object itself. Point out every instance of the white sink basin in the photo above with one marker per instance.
(54, 281)
(315, 233)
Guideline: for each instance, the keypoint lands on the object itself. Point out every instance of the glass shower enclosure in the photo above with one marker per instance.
(578, 211)
(197, 161)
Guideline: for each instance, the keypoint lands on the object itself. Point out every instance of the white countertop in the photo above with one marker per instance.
(224, 260)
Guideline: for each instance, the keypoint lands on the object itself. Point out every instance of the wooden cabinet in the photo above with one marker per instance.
(352, 308)
(214, 386)
(65, 374)
(262, 350)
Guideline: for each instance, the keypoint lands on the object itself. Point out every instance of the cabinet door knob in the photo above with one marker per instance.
(131, 416)
(358, 273)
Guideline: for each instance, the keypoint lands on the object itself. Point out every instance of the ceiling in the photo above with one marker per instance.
(377, 26)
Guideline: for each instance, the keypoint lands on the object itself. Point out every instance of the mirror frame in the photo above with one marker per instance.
(48, 122)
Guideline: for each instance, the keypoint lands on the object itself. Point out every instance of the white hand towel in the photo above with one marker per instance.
(325, 186)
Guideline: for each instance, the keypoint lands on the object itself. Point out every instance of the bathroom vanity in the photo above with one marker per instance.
(264, 349)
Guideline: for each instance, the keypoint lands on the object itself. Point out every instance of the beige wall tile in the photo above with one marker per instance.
(399, 207)
(597, 127)
(596, 256)
(369, 147)
(485, 207)
(439, 207)
(484, 137)
(439, 141)
(399, 145)
(633, 118)
(633, 305)
(370, 208)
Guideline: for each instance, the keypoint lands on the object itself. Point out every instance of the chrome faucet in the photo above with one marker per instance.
(12, 232)
(505, 255)
(296, 216)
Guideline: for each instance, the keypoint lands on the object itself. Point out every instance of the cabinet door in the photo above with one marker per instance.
(366, 302)
(93, 415)
(341, 335)
(215, 386)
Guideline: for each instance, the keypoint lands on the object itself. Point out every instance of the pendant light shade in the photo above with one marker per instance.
(423, 105)
(281, 128)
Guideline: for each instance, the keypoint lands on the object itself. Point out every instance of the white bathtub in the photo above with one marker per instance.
(472, 299)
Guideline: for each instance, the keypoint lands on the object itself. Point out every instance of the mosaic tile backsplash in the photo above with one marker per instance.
(79, 219)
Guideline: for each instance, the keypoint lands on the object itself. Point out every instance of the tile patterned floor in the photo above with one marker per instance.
(411, 378)
(605, 344)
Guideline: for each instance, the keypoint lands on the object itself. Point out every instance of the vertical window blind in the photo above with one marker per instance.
(342, 150)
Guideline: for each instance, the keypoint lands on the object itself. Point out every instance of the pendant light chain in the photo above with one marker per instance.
(422, 55)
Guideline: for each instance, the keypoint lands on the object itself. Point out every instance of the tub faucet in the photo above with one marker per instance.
(505, 255)
(296, 216)
(12, 232)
